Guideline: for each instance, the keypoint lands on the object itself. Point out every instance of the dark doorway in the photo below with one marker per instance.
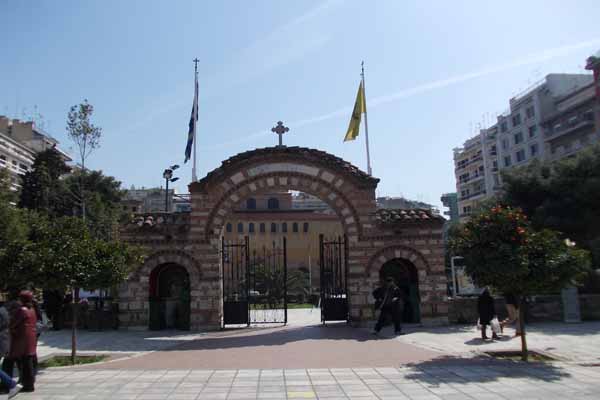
(406, 277)
(169, 298)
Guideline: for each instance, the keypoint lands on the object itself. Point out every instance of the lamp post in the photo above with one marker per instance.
(168, 175)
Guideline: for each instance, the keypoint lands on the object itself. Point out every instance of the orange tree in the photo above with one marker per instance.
(503, 251)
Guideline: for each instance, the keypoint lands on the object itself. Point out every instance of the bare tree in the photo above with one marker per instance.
(86, 136)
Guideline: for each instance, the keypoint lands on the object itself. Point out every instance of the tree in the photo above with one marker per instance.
(103, 195)
(42, 189)
(15, 250)
(502, 250)
(68, 257)
(87, 138)
(564, 196)
(7, 195)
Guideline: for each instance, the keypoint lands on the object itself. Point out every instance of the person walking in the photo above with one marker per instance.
(512, 308)
(389, 302)
(485, 306)
(23, 340)
(7, 384)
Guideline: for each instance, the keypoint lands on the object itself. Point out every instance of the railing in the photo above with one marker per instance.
(471, 161)
(471, 195)
(565, 128)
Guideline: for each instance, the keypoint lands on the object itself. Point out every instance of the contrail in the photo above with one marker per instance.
(442, 83)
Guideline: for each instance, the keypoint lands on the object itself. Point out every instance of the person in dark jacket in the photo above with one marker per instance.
(389, 300)
(23, 340)
(485, 306)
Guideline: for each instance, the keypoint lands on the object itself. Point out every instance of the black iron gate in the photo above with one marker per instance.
(235, 259)
(268, 284)
(334, 271)
(254, 283)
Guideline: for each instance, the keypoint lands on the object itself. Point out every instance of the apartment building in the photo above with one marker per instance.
(573, 126)
(523, 133)
(20, 141)
(469, 170)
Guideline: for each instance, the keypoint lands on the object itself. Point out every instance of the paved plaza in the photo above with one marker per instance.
(307, 361)
(440, 380)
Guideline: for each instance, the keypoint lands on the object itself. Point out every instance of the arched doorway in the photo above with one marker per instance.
(169, 298)
(406, 277)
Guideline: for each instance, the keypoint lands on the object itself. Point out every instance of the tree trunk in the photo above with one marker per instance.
(524, 351)
(74, 330)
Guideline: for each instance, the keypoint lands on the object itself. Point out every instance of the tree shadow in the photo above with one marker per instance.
(481, 369)
(274, 337)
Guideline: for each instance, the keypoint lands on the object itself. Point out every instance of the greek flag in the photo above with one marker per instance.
(193, 119)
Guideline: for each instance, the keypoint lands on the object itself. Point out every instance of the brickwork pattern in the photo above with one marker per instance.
(348, 191)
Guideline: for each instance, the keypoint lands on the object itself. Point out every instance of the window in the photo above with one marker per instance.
(305, 228)
(284, 227)
(493, 150)
(504, 144)
(273, 204)
(507, 161)
(14, 163)
(496, 180)
(228, 227)
(494, 165)
(273, 227)
(572, 121)
(520, 155)
(530, 112)
(467, 210)
(240, 228)
(251, 227)
(251, 204)
(516, 120)
(532, 131)
(463, 178)
(533, 149)
(262, 227)
(518, 137)
(295, 227)
(503, 126)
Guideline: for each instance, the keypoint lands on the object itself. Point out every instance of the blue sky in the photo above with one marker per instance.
(434, 71)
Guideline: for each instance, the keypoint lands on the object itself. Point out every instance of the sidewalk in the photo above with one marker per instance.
(441, 381)
(568, 342)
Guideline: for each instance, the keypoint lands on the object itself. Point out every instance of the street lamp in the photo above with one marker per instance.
(168, 175)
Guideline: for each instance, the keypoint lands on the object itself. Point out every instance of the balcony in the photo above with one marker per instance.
(473, 195)
(470, 162)
(471, 179)
(572, 125)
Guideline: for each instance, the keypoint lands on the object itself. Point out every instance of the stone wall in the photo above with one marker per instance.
(539, 309)
(193, 241)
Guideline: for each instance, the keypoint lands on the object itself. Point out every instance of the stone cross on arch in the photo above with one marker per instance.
(280, 130)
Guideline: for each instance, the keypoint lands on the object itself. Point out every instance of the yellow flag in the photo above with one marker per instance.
(359, 108)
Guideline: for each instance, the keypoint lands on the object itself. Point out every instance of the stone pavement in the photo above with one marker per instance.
(568, 342)
(427, 381)
(335, 362)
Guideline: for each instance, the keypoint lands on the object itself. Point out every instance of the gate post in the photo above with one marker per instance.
(285, 305)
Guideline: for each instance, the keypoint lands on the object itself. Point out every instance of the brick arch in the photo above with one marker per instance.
(178, 257)
(330, 194)
(398, 251)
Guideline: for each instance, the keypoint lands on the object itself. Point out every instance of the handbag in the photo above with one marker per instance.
(495, 325)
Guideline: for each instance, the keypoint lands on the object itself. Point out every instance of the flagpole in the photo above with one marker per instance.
(362, 74)
(194, 176)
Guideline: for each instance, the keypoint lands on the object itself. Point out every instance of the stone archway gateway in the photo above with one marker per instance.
(373, 235)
